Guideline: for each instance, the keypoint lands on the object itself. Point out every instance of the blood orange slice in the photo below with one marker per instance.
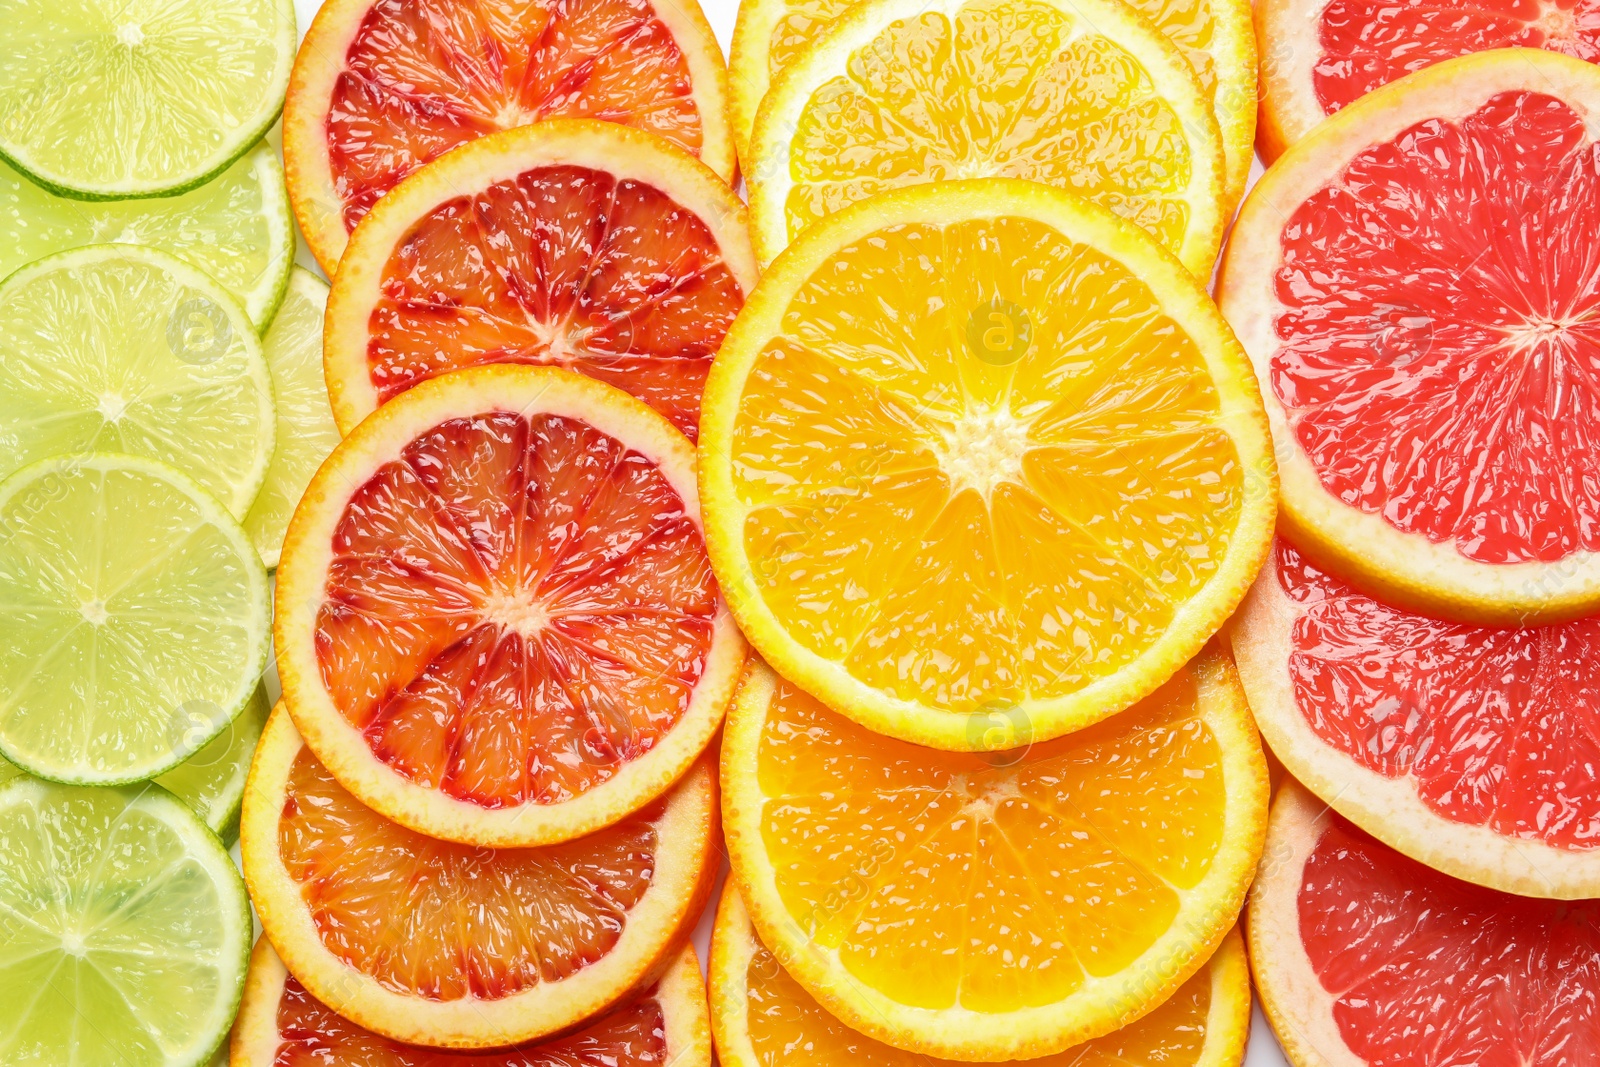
(1410, 284)
(1470, 748)
(381, 87)
(282, 1025)
(1318, 56)
(428, 942)
(1365, 957)
(495, 620)
(581, 244)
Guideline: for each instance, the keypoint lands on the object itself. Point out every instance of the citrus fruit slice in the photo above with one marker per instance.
(575, 243)
(124, 928)
(1465, 747)
(1318, 56)
(995, 906)
(496, 622)
(981, 451)
(306, 432)
(1423, 331)
(1364, 957)
(1086, 96)
(382, 88)
(1215, 36)
(760, 1015)
(126, 349)
(136, 619)
(282, 1025)
(236, 228)
(456, 946)
(144, 98)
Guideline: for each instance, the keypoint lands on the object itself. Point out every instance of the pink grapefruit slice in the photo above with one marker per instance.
(1470, 748)
(1364, 957)
(1416, 288)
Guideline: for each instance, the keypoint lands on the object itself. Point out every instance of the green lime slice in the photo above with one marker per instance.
(104, 101)
(136, 619)
(235, 228)
(124, 929)
(117, 348)
(211, 781)
(306, 430)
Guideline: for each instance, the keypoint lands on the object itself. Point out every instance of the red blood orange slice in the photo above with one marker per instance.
(1470, 748)
(1318, 56)
(496, 622)
(282, 1025)
(1416, 289)
(381, 87)
(580, 244)
(1364, 957)
(429, 942)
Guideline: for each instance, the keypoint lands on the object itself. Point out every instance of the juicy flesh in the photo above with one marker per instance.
(789, 1029)
(1439, 350)
(1368, 43)
(565, 266)
(1393, 942)
(981, 464)
(993, 882)
(442, 921)
(311, 1035)
(517, 607)
(1007, 88)
(1494, 727)
(423, 76)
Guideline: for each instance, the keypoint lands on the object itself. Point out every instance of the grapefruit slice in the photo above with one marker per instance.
(1003, 905)
(495, 620)
(382, 87)
(1318, 56)
(1364, 957)
(1469, 748)
(282, 1025)
(1422, 319)
(429, 942)
(575, 243)
(760, 1015)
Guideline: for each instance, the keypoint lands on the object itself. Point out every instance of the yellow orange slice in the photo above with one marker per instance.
(572, 243)
(428, 942)
(981, 465)
(382, 87)
(282, 1025)
(1004, 905)
(760, 1015)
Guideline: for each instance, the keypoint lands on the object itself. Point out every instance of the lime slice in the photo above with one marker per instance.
(136, 619)
(124, 928)
(235, 228)
(211, 781)
(103, 101)
(306, 430)
(119, 348)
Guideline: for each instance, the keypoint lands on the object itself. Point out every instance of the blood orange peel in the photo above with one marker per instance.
(1434, 405)
(382, 87)
(452, 946)
(572, 242)
(496, 622)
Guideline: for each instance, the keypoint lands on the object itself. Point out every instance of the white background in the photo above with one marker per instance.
(1264, 1050)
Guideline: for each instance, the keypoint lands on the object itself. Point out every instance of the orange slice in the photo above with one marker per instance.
(580, 244)
(760, 1015)
(495, 619)
(999, 906)
(428, 942)
(1424, 327)
(280, 1024)
(382, 87)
